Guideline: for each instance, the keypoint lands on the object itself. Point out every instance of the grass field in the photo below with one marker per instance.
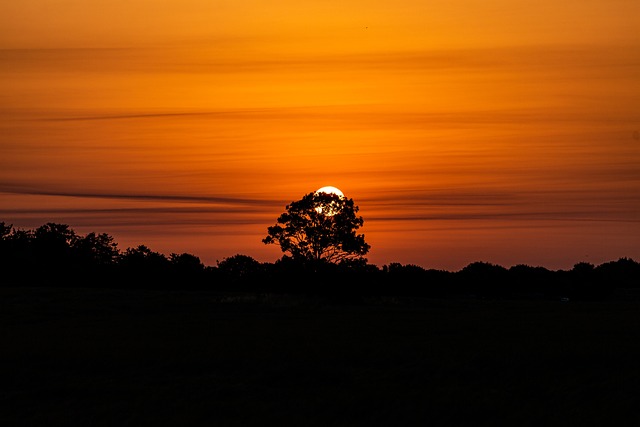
(92, 357)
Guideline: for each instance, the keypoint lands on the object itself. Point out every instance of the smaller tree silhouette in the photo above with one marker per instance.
(52, 245)
(239, 266)
(143, 257)
(186, 259)
(97, 249)
(320, 227)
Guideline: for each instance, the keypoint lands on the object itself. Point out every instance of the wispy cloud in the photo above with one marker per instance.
(13, 189)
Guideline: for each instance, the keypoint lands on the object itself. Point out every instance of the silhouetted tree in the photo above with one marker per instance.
(186, 263)
(93, 260)
(583, 268)
(18, 252)
(623, 273)
(53, 250)
(239, 267)
(585, 282)
(320, 227)
(143, 257)
(531, 281)
(55, 236)
(96, 249)
(484, 278)
(144, 267)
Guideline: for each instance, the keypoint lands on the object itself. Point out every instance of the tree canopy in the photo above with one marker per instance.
(320, 227)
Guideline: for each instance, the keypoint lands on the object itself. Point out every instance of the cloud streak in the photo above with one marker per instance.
(12, 189)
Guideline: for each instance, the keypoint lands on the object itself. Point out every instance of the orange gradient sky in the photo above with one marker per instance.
(498, 131)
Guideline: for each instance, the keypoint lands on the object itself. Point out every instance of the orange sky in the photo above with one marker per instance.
(502, 131)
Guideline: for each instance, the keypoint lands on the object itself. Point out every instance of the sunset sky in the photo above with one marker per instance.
(501, 131)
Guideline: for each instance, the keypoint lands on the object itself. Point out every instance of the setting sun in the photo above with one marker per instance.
(330, 190)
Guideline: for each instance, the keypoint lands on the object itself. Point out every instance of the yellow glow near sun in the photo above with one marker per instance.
(330, 190)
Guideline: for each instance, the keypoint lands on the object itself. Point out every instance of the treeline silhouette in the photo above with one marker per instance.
(55, 255)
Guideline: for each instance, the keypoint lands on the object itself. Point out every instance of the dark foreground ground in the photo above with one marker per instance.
(75, 357)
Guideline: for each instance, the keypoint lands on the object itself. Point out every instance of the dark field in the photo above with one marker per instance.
(75, 357)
